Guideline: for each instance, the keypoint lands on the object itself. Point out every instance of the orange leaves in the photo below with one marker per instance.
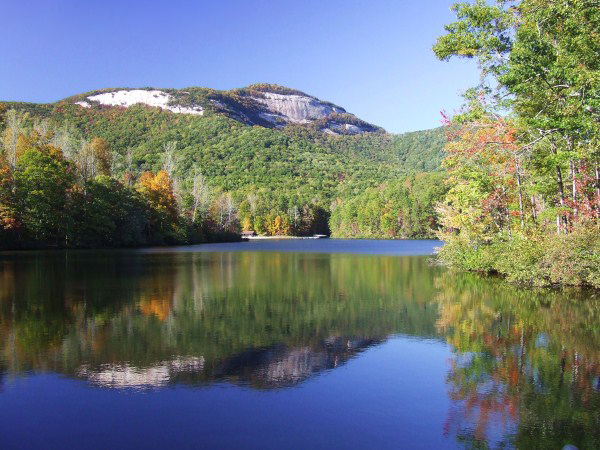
(158, 191)
(488, 142)
(159, 307)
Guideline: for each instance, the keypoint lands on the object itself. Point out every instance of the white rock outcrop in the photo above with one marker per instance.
(295, 108)
(353, 128)
(131, 97)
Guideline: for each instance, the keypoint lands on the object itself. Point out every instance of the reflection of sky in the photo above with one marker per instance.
(278, 323)
(541, 340)
(392, 395)
(354, 246)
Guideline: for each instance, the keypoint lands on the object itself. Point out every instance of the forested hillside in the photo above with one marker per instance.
(280, 179)
(400, 209)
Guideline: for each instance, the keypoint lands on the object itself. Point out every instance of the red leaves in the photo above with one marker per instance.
(493, 141)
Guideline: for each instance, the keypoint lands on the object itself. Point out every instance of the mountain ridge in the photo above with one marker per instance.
(262, 104)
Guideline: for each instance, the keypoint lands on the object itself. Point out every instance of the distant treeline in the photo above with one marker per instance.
(401, 209)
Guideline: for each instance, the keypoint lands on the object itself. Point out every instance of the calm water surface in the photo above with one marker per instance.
(289, 344)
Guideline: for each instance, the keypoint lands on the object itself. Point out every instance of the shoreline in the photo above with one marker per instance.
(260, 238)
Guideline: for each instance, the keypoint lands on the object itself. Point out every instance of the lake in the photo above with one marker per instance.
(289, 344)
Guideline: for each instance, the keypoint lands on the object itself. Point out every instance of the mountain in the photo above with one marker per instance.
(275, 149)
(267, 105)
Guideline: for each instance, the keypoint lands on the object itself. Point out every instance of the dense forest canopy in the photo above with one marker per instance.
(523, 169)
(195, 177)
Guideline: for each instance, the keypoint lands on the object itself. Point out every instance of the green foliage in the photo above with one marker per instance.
(2, 113)
(554, 70)
(399, 209)
(49, 200)
(574, 258)
(109, 214)
(420, 151)
(275, 88)
(482, 31)
(295, 172)
(536, 259)
(42, 186)
(524, 197)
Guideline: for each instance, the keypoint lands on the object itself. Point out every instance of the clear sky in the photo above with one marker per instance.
(372, 57)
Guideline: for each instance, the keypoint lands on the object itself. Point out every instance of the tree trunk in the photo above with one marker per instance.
(521, 211)
(574, 186)
(560, 185)
(561, 192)
(561, 188)
(598, 193)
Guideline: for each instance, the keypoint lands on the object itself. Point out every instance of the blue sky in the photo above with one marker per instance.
(372, 57)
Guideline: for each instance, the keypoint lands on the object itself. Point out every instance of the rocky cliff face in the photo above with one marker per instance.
(295, 108)
(266, 105)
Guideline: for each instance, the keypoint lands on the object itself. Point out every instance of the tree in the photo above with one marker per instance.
(169, 161)
(111, 214)
(10, 223)
(226, 213)
(201, 197)
(101, 156)
(157, 191)
(541, 56)
(539, 162)
(2, 115)
(43, 184)
(14, 123)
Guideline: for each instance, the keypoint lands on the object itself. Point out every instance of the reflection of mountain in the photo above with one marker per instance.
(265, 319)
(278, 366)
(281, 366)
(527, 358)
(128, 376)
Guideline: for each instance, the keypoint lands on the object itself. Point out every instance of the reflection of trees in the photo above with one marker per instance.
(525, 371)
(266, 319)
(526, 367)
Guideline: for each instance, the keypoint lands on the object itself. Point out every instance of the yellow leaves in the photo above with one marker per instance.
(94, 158)
(158, 191)
(247, 224)
(159, 307)
(277, 224)
(277, 227)
(101, 152)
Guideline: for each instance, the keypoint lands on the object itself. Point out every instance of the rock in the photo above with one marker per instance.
(154, 98)
(296, 108)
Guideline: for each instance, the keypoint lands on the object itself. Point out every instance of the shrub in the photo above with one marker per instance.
(574, 258)
(536, 259)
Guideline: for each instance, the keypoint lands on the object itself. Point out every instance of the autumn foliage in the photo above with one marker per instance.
(54, 193)
(523, 155)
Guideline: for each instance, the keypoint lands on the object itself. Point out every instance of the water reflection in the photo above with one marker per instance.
(268, 320)
(525, 370)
